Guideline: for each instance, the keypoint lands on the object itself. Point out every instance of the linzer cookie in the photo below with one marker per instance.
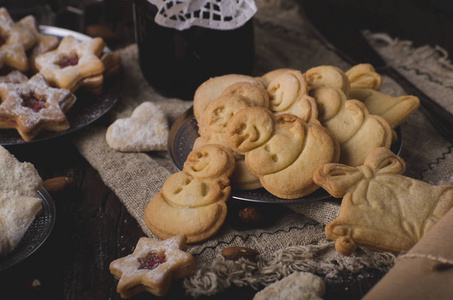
(357, 131)
(45, 44)
(381, 209)
(73, 64)
(14, 77)
(192, 201)
(15, 40)
(152, 266)
(282, 151)
(33, 106)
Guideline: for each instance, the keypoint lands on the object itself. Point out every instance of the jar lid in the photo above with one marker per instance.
(212, 14)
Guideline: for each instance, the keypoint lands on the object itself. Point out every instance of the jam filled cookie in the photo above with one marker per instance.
(14, 77)
(73, 62)
(15, 40)
(34, 106)
(152, 266)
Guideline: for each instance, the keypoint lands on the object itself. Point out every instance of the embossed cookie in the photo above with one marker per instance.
(33, 106)
(289, 94)
(327, 76)
(271, 75)
(393, 109)
(152, 266)
(283, 151)
(72, 62)
(15, 40)
(212, 88)
(364, 76)
(381, 209)
(192, 202)
(145, 130)
(357, 131)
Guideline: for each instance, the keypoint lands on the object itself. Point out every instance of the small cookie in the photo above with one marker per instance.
(72, 62)
(394, 109)
(254, 92)
(15, 40)
(289, 95)
(363, 76)
(192, 202)
(330, 76)
(297, 286)
(14, 77)
(152, 266)
(271, 75)
(16, 215)
(283, 151)
(145, 130)
(45, 44)
(19, 177)
(33, 106)
(112, 64)
(357, 131)
(381, 209)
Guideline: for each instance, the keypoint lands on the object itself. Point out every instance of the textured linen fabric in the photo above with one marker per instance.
(296, 240)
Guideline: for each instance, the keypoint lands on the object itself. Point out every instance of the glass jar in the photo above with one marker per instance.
(176, 62)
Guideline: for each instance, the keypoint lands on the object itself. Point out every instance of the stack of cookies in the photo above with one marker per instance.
(35, 68)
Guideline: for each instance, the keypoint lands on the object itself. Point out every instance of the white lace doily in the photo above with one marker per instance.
(213, 14)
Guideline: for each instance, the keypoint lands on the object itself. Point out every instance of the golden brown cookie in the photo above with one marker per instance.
(152, 266)
(394, 109)
(283, 151)
(33, 106)
(357, 131)
(72, 62)
(192, 202)
(364, 76)
(329, 76)
(271, 75)
(381, 209)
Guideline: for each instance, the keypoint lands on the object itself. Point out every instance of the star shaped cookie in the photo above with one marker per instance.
(15, 39)
(152, 266)
(34, 106)
(72, 62)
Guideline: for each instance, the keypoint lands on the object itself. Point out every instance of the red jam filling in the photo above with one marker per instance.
(34, 103)
(2, 40)
(69, 61)
(151, 261)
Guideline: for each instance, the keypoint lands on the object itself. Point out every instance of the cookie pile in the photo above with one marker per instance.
(57, 69)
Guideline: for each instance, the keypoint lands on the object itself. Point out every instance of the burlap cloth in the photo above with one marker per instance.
(295, 241)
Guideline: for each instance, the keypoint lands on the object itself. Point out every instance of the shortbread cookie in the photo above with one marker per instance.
(14, 77)
(254, 92)
(33, 106)
(192, 202)
(327, 76)
(271, 75)
(297, 286)
(145, 130)
(72, 62)
(212, 88)
(381, 209)
(289, 94)
(19, 177)
(394, 109)
(152, 266)
(357, 131)
(15, 40)
(364, 76)
(283, 151)
(16, 215)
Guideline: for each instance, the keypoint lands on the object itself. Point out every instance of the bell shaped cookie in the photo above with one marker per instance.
(192, 201)
(282, 151)
(393, 109)
(357, 131)
(381, 209)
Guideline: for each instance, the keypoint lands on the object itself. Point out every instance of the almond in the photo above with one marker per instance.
(57, 184)
(234, 253)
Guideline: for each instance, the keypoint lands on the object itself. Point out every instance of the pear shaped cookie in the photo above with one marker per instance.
(192, 202)
(282, 151)
(381, 209)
